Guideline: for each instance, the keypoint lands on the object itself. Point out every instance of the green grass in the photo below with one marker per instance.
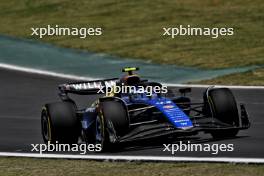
(57, 167)
(250, 78)
(134, 28)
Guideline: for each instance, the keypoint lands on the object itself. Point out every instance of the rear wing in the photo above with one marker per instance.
(87, 87)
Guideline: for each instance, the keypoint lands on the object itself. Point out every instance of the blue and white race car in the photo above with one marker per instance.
(138, 114)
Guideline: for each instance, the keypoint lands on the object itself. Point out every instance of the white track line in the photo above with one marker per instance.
(205, 86)
(43, 72)
(135, 158)
(74, 77)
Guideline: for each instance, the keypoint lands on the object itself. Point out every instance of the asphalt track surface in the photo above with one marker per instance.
(23, 94)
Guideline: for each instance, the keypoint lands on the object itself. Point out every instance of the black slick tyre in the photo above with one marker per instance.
(223, 107)
(59, 123)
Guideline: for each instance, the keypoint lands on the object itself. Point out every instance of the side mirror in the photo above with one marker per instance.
(183, 91)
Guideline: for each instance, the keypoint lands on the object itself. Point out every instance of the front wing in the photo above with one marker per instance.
(206, 125)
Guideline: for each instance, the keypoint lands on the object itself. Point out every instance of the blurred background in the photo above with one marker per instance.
(132, 35)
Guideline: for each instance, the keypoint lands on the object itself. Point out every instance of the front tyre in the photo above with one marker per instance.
(110, 112)
(223, 107)
(101, 134)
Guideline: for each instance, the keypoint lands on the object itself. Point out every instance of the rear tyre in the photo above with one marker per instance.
(223, 107)
(59, 123)
(114, 113)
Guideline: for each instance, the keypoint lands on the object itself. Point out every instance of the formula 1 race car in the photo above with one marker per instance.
(121, 116)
